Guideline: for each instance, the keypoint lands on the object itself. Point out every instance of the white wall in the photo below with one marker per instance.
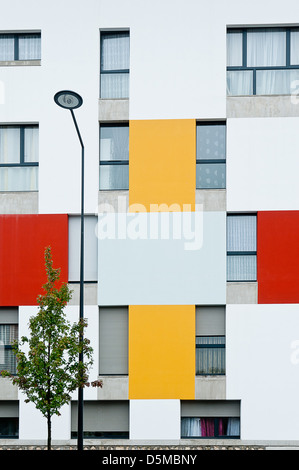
(262, 357)
(262, 164)
(178, 59)
(155, 419)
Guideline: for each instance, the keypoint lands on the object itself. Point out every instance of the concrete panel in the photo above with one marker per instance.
(90, 294)
(262, 106)
(210, 388)
(113, 110)
(262, 356)
(211, 199)
(113, 201)
(155, 419)
(114, 388)
(241, 292)
(185, 265)
(8, 391)
(19, 202)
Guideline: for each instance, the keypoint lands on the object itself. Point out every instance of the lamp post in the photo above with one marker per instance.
(71, 100)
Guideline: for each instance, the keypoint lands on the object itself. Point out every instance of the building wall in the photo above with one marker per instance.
(177, 77)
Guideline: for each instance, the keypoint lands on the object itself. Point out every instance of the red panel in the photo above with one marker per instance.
(278, 257)
(23, 239)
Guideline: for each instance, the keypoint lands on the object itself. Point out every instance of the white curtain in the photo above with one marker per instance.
(115, 56)
(31, 144)
(239, 83)
(266, 48)
(9, 145)
(191, 427)
(241, 237)
(30, 47)
(294, 47)
(234, 49)
(19, 178)
(6, 47)
(241, 233)
(115, 52)
(233, 427)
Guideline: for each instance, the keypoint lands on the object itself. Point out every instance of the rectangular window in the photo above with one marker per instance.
(19, 149)
(102, 419)
(209, 419)
(115, 64)
(114, 156)
(21, 46)
(241, 247)
(211, 155)
(113, 341)
(9, 419)
(262, 61)
(210, 340)
(8, 334)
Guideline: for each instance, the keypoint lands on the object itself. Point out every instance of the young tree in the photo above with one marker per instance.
(50, 370)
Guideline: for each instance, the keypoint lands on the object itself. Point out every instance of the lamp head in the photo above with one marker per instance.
(68, 99)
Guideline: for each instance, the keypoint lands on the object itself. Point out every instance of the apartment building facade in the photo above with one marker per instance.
(190, 120)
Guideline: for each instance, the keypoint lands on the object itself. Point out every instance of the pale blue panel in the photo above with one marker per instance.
(161, 266)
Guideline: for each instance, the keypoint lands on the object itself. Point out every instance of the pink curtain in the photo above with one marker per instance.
(207, 427)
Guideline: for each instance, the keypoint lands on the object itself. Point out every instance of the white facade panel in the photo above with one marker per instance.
(262, 357)
(184, 264)
(155, 419)
(262, 164)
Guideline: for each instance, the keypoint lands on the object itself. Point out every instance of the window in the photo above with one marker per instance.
(211, 155)
(208, 419)
(9, 419)
(24, 46)
(114, 156)
(8, 334)
(113, 341)
(19, 158)
(210, 340)
(102, 419)
(241, 247)
(115, 64)
(262, 61)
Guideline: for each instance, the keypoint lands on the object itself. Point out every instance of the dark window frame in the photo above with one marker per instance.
(9, 347)
(16, 37)
(22, 162)
(112, 162)
(243, 253)
(211, 346)
(216, 429)
(104, 34)
(202, 161)
(9, 422)
(244, 66)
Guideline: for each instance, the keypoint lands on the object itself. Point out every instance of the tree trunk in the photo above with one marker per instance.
(49, 430)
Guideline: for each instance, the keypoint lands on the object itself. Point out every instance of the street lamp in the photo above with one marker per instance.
(70, 100)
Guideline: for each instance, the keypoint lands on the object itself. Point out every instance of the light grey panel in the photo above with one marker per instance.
(90, 248)
(113, 340)
(210, 320)
(9, 409)
(9, 315)
(103, 416)
(209, 408)
(135, 268)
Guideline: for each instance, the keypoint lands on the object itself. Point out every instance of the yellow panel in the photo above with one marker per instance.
(162, 170)
(162, 352)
